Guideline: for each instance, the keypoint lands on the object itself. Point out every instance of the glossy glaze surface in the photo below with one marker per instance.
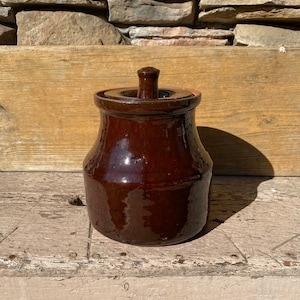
(147, 177)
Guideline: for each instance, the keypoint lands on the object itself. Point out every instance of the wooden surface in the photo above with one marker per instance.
(250, 248)
(249, 117)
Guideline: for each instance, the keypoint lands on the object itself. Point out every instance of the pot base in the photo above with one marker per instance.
(148, 214)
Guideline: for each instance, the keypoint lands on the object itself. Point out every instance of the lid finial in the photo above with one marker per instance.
(148, 83)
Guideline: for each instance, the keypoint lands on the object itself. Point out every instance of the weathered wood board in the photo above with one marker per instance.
(249, 117)
(152, 288)
(249, 250)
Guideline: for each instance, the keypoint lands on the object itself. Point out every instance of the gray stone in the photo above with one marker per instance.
(7, 15)
(65, 28)
(219, 3)
(259, 35)
(150, 12)
(177, 32)
(201, 41)
(236, 14)
(7, 35)
(86, 3)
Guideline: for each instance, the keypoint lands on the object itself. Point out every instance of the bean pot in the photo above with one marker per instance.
(147, 177)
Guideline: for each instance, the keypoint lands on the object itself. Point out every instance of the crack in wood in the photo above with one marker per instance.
(2, 108)
(89, 243)
(273, 258)
(17, 225)
(286, 241)
(234, 244)
(10, 233)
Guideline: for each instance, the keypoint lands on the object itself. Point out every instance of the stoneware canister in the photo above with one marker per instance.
(147, 177)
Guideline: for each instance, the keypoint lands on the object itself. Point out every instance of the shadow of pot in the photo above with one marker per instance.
(234, 158)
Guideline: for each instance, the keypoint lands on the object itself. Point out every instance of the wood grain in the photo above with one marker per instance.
(249, 117)
(249, 250)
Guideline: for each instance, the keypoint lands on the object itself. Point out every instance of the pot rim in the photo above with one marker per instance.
(120, 101)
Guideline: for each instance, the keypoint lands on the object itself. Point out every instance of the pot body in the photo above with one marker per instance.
(147, 178)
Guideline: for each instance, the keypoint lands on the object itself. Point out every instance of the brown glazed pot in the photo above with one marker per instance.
(147, 178)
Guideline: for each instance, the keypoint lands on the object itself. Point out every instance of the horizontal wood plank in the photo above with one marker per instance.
(153, 288)
(249, 117)
(250, 248)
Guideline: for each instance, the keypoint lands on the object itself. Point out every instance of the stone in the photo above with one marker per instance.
(290, 15)
(219, 3)
(84, 3)
(230, 15)
(261, 35)
(7, 15)
(7, 35)
(73, 28)
(177, 32)
(180, 36)
(225, 15)
(150, 12)
(201, 41)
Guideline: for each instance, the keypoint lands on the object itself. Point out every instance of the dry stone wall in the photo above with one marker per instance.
(150, 22)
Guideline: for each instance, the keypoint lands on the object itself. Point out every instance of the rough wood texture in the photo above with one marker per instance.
(249, 250)
(248, 119)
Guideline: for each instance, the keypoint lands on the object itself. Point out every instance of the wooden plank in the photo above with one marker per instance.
(36, 216)
(249, 250)
(153, 288)
(248, 118)
(253, 224)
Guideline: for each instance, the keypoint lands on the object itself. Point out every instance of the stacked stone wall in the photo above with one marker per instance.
(150, 22)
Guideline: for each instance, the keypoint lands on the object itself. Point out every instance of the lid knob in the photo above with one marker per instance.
(148, 83)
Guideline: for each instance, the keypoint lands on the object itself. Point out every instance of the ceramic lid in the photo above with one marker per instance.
(147, 98)
(148, 88)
